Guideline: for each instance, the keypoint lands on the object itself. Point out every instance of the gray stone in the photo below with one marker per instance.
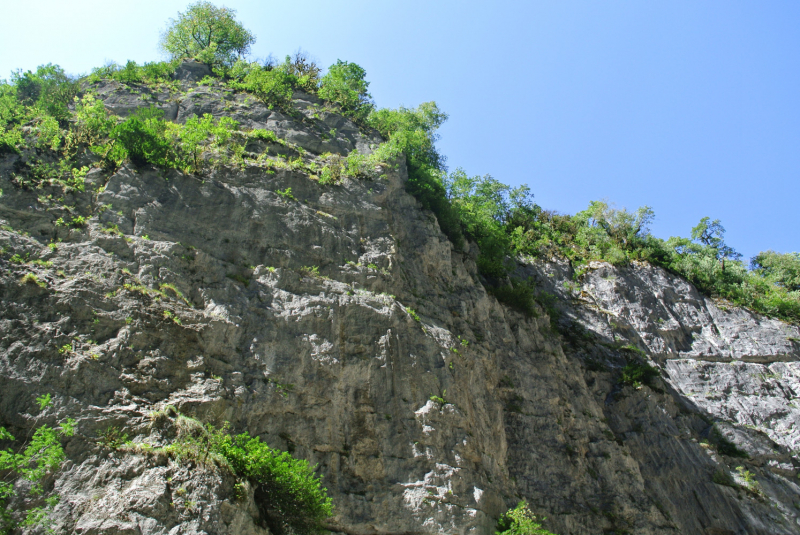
(336, 368)
(192, 71)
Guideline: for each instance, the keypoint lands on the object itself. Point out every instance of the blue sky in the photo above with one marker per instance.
(690, 107)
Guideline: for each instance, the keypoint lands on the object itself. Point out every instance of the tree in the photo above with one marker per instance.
(207, 33)
(49, 89)
(781, 269)
(711, 234)
(345, 84)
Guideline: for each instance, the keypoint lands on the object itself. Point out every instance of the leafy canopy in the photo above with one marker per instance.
(783, 270)
(207, 33)
(49, 89)
(345, 84)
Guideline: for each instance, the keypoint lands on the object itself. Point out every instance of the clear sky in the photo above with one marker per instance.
(690, 107)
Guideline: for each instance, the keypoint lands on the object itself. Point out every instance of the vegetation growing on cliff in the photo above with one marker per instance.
(208, 33)
(35, 108)
(288, 488)
(38, 457)
(520, 521)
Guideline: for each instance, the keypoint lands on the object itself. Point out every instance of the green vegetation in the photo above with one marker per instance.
(150, 73)
(413, 132)
(749, 480)
(143, 138)
(286, 194)
(208, 34)
(636, 374)
(345, 84)
(273, 86)
(48, 91)
(40, 456)
(504, 222)
(520, 521)
(292, 493)
(30, 278)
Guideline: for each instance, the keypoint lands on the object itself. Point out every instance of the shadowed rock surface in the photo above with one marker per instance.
(333, 366)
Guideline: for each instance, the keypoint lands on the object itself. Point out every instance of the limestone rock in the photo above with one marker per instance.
(428, 406)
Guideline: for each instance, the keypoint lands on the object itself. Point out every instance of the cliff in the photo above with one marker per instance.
(337, 322)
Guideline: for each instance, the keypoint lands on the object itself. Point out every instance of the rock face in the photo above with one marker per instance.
(343, 326)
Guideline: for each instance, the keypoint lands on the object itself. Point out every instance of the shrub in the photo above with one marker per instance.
(49, 89)
(10, 140)
(149, 73)
(93, 122)
(782, 270)
(520, 521)
(292, 490)
(413, 131)
(30, 278)
(519, 296)
(264, 135)
(288, 488)
(345, 85)
(271, 86)
(195, 133)
(304, 69)
(722, 477)
(208, 33)
(41, 456)
(142, 136)
(635, 374)
(725, 446)
(484, 206)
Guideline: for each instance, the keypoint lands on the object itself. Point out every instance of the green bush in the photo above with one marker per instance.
(42, 455)
(288, 488)
(520, 521)
(290, 485)
(274, 87)
(143, 138)
(782, 270)
(264, 135)
(50, 90)
(519, 296)
(725, 446)
(485, 206)
(197, 133)
(305, 71)
(12, 114)
(345, 85)
(413, 131)
(636, 374)
(131, 73)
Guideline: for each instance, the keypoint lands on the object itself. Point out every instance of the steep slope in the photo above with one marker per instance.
(337, 322)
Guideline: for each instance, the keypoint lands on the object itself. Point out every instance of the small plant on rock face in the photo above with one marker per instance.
(113, 437)
(264, 135)
(30, 278)
(520, 521)
(310, 271)
(286, 194)
(635, 374)
(750, 482)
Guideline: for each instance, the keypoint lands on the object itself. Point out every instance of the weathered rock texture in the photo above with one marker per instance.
(335, 367)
